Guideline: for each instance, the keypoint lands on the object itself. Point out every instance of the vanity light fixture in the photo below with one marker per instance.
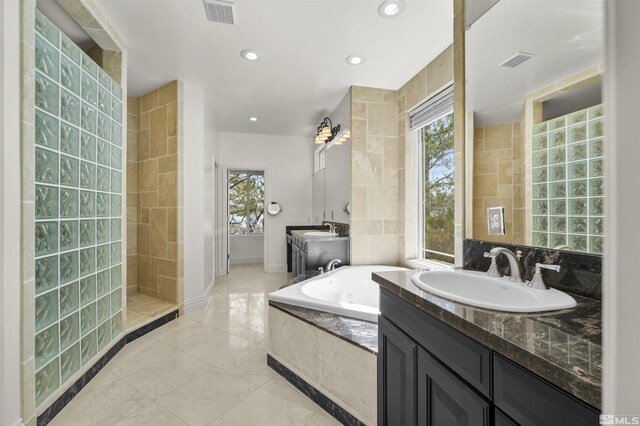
(355, 59)
(250, 54)
(391, 8)
(325, 132)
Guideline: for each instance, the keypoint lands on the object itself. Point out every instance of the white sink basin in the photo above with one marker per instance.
(320, 234)
(476, 289)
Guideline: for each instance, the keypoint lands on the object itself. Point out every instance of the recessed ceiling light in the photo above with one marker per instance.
(250, 54)
(390, 8)
(253, 118)
(355, 59)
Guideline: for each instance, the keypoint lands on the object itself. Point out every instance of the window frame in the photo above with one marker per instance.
(248, 173)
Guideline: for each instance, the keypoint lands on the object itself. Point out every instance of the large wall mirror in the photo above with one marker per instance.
(534, 117)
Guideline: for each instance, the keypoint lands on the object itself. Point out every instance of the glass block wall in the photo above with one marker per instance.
(78, 238)
(568, 189)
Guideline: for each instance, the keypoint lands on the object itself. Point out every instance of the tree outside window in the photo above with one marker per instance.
(246, 202)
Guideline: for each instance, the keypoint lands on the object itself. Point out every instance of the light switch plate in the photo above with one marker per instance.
(495, 221)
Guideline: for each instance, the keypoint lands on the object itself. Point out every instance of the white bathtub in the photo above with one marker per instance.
(347, 291)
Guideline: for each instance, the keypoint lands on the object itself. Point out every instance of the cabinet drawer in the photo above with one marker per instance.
(530, 400)
(467, 358)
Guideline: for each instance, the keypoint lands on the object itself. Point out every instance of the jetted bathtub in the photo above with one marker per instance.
(347, 291)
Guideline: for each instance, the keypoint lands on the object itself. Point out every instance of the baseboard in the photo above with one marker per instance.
(246, 260)
(18, 422)
(276, 268)
(199, 302)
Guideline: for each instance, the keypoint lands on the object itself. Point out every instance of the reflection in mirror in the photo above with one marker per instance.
(534, 123)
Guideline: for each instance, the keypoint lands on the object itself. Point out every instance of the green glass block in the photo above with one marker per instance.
(103, 258)
(87, 175)
(578, 151)
(116, 277)
(46, 310)
(596, 225)
(104, 101)
(87, 290)
(577, 117)
(596, 129)
(69, 299)
(557, 155)
(116, 325)
(104, 153)
(87, 203)
(47, 58)
(46, 130)
(102, 231)
(116, 181)
(69, 139)
(578, 188)
(558, 123)
(540, 207)
(540, 142)
(89, 91)
(46, 272)
(540, 174)
(88, 147)
(47, 94)
(46, 166)
(116, 158)
(578, 170)
(578, 206)
(578, 242)
(596, 187)
(116, 229)
(69, 330)
(540, 239)
(558, 207)
(596, 245)
(46, 238)
(540, 128)
(557, 190)
(557, 138)
(102, 178)
(558, 172)
(68, 267)
(89, 66)
(596, 148)
(69, 107)
(577, 133)
(87, 233)
(103, 283)
(46, 346)
(104, 126)
(88, 347)
(68, 235)
(540, 191)
(87, 261)
(104, 79)
(540, 223)
(48, 30)
(68, 202)
(595, 112)
(596, 168)
(117, 110)
(70, 49)
(558, 224)
(46, 202)
(102, 204)
(116, 301)
(116, 205)
(104, 335)
(88, 118)
(103, 308)
(116, 90)
(116, 253)
(557, 240)
(69, 171)
(47, 381)
(87, 319)
(116, 133)
(70, 362)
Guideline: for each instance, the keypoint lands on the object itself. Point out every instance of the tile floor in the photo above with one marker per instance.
(205, 368)
(142, 309)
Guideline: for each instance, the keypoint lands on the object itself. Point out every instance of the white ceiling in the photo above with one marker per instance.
(302, 74)
(565, 35)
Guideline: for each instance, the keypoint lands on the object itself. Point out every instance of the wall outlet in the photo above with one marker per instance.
(495, 221)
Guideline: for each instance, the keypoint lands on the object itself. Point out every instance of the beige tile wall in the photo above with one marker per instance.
(132, 195)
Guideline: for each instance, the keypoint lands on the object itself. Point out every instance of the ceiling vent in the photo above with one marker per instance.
(220, 11)
(517, 59)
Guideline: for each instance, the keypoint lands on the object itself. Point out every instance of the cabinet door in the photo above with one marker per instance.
(397, 364)
(444, 399)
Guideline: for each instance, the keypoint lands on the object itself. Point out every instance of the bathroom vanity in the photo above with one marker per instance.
(311, 250)
(442, 363)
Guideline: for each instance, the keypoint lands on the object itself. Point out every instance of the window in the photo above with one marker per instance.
(246, 202)
(433, 126)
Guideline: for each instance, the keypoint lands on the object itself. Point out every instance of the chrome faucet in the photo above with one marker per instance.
(332, 227)
(537, 281)
(331, 265)
(514, 263)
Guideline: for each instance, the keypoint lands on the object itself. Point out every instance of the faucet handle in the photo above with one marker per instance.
(546, 266)
(519, 254)
(537, 281)
(491, 255)
(493, 269)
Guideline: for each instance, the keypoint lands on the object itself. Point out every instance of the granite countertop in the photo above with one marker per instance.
(564, 347)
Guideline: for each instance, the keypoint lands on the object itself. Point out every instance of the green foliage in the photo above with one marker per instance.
(246, 203)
